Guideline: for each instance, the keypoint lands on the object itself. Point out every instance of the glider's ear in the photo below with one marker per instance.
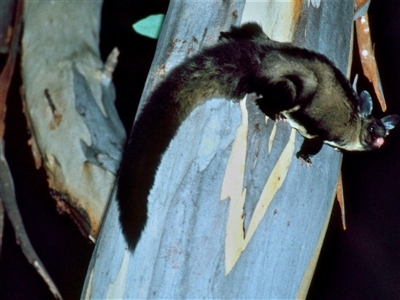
(390, 122)
(365, 105)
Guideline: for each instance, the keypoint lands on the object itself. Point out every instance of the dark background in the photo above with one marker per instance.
(360, 263)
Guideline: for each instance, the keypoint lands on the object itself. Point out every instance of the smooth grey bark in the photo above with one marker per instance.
(68, 95)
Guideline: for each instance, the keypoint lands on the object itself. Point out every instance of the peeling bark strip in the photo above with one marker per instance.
(8, 70)
(108, 136)
(366, 50)
(7, 9)
(61, 68)
(182, 253)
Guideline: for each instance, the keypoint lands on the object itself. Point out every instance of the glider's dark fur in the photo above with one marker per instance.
(300, 85)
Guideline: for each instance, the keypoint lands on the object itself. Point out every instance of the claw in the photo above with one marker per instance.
(280, 118)
(305, 159)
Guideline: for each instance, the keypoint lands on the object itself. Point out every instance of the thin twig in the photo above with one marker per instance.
(1, 223)
(340, 199)
(7, 191)
(7, 196)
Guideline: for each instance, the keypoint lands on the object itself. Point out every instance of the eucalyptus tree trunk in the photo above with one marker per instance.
(232, 213)
(69, 103)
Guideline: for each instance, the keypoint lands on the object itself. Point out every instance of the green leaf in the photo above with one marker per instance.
(149, 26)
